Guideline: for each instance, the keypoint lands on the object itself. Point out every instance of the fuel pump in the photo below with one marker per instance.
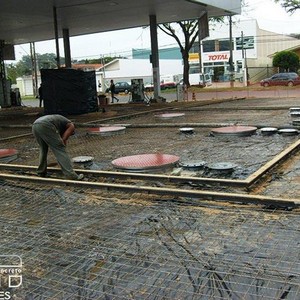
(137, 90)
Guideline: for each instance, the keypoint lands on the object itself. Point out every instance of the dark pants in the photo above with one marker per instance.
(47, 136)
(113, 97)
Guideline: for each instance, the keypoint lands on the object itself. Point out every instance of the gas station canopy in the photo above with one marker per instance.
(33, 20)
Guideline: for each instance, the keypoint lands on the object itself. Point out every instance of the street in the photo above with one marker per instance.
(212, 92)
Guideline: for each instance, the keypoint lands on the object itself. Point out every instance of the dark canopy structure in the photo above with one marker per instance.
(32, 20)
(39, 20)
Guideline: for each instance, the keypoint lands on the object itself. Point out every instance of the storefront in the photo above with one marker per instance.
(251, 50)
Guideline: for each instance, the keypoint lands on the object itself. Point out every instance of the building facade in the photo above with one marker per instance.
(127, 69)
(252, 49)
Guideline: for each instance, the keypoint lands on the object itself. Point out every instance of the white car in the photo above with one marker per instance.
(198, 79)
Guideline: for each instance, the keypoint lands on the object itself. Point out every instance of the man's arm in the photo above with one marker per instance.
(68, 132)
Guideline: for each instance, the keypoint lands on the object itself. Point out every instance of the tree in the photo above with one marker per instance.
(46, 61)
(102, 60)
(286, 61)
(11, 71)
(24, 66)
(289, 5)
(295, 35)
(15, 70)
(190, 31)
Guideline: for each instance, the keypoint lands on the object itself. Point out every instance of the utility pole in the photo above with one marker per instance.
(203, 32)
(34, 69)
(244, 56)
(199, 44)
(231, 67)
(102, 77)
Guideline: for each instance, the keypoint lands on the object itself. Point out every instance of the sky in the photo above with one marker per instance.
(269, 15)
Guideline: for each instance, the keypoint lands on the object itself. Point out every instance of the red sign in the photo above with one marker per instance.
(214, 57)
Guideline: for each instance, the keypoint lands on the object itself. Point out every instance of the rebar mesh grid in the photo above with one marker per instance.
(248, 153)
(83, 244)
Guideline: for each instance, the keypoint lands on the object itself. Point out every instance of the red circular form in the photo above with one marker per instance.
(145, 161)
(106, 129)
(7, 152)
(170, 115)
(234, 130)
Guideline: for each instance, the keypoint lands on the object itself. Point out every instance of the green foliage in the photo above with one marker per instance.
(289, 5)
(24, 66)
(11, 71)
(295, 35)
(102, 60)
(46, 61)
(287, 61)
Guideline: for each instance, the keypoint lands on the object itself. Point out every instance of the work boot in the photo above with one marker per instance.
(75, 177)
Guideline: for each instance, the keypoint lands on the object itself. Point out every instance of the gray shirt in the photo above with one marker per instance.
(60, 122)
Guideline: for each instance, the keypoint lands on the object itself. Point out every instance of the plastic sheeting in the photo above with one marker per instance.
(69, 91)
